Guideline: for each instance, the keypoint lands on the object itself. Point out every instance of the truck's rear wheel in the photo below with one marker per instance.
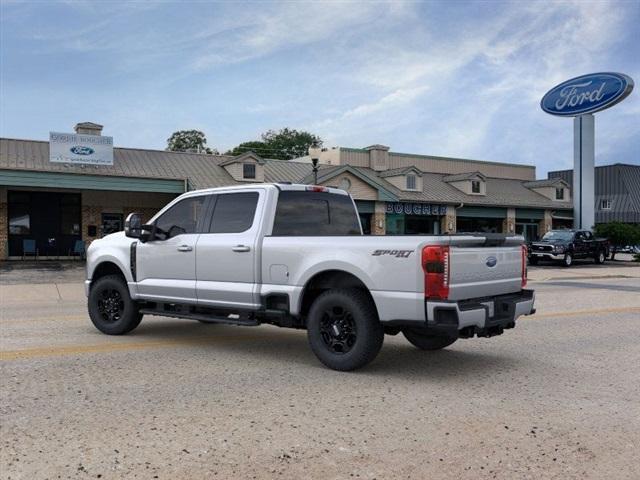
(343, 329)
(426, 341)
(110, 307)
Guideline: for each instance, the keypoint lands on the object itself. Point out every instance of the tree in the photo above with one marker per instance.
(289, 144)
(619, 234)
(188, 141)
(284, 144)
(257, 147)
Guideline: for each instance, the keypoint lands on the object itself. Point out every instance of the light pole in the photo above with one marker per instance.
(314, 153)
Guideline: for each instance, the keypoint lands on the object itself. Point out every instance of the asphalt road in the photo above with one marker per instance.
(558, 397)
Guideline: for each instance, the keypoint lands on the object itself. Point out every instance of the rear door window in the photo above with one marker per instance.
(234, 212)
(315, 214)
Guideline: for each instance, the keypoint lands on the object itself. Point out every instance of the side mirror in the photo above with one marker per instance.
(133, 225)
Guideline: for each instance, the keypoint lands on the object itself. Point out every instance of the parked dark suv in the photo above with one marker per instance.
(566, 245)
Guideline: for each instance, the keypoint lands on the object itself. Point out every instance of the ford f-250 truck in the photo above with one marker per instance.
(295, 256)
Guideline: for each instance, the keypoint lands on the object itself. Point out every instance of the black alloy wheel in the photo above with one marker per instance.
(343, 329)
(111, 309)
(110, 305)
(338, 329)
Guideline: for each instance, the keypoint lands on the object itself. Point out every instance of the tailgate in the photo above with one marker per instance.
(484, 271)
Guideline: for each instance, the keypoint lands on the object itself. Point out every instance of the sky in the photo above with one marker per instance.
(446, 78)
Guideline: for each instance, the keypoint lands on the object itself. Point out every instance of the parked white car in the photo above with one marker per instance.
(295, 256)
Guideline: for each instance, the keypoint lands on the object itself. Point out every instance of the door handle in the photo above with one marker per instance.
(185, 248)
(241, 248)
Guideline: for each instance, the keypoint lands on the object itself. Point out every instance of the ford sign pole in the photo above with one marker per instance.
(584, 171)
(580, 97)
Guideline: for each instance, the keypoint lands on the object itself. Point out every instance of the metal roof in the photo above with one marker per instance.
(205, 171)
(200, 170)
(392, 172)
(620, 184)
(547, 182)
(463, 176)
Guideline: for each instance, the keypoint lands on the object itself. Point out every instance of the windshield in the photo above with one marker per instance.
(558, 235)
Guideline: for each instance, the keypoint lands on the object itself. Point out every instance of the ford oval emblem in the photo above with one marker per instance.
(80, 150)
(587, 94)
(491, 262)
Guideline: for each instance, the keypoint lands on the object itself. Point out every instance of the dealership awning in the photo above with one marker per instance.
(562, 216)
(30, 178)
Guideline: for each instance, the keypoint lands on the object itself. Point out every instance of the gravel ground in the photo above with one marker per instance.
(555, 398)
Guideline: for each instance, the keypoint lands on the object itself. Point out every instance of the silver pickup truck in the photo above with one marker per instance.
(295, 256)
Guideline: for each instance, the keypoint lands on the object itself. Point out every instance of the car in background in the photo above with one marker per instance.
(629, 249)
(564, 246)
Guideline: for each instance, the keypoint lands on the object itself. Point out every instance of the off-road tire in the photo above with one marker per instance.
(360, 334)
(110, 307)
(425, 341)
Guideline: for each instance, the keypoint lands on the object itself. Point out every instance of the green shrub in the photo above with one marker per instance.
(619, 234)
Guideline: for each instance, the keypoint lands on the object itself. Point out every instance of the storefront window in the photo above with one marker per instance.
(481, 225)
(365, 221)
(19, 222)
(19, 217)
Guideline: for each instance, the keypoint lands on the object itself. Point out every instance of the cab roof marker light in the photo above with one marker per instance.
(316, 188)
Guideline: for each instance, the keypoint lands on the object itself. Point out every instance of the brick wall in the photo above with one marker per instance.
(546, 224)
(509, 223)
(92, 215)
(378, 220)
(448, 221)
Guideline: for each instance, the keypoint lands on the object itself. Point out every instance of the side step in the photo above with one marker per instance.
(231, 319)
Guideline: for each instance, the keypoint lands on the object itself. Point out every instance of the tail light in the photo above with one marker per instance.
(524, 266)
(435, 263)
(316, 188)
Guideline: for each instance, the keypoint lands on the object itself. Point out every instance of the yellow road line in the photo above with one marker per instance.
(113, 347)
(61, 318)
(37, 352)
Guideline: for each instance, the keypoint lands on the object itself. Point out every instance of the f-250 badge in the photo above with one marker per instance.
(393, 253)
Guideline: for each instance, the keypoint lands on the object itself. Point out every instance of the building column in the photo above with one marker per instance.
(378, 220)
(4, 225)
(546, 224)
(509, 223)
(91, 215)
(448, 221)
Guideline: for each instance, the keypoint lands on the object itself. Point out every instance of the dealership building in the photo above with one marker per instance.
(75, 188)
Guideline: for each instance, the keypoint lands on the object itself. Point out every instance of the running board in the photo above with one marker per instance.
(229, 320)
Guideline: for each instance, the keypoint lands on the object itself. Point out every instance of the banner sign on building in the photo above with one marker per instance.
(416, 208)
(80, 149)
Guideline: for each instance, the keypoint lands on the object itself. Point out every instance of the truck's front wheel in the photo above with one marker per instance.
(110, 307)
(425, 341)
(343, 329)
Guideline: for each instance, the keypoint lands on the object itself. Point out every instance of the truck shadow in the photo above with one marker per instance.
(290, 347)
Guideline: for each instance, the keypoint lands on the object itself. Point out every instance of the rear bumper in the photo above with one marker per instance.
(474, 317)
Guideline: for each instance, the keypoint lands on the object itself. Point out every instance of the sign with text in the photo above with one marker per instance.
(587, 94)
(416, 208)
(80, 149)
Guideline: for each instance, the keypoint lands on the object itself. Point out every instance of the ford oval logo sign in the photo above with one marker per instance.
(79, 150)
(491, 262)
(587, 94)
